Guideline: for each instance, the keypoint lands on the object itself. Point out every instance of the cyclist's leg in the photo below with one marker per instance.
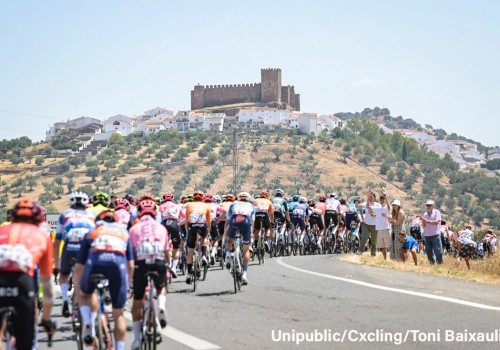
(175, 236)
(117, 278)
(88, 300)
(139, 283)
(191, 243)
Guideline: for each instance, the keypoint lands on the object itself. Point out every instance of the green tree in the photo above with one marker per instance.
(404, 152)
(212, 158)
(70, 185)
(64, 167)
(4, 200)
(384, 168)
(93, 172)
(345, 155)
(58, 180)
(351, 181)
(365, 160)
(75, 161)
(140, 182)
(390, 175)
(277, 153)
(39, 160)
(58, 191)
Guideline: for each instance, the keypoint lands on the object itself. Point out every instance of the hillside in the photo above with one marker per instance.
(170, 161)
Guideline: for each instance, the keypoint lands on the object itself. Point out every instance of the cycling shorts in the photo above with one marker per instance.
(194, 229)
(117, 275)
(299, 221)
(316, 219)
(173, 232)
(65, 260)
(182, 232)
(278, 215)
(17, 291)
(140, 281)
(214, 231)
(331, 216)
(245, 229)
(262, 219)
(220, 227)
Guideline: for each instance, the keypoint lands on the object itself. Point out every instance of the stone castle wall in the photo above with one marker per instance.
(269, 90)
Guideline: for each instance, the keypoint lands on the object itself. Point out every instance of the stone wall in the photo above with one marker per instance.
(270, 84)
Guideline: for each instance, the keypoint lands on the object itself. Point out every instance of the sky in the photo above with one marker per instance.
(436, 62)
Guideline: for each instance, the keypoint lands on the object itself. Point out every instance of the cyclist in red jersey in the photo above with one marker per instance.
(23, 246)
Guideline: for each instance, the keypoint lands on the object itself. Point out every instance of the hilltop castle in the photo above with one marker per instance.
(268, 90)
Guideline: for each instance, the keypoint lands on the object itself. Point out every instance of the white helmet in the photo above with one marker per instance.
(302, 200)
(78, 198)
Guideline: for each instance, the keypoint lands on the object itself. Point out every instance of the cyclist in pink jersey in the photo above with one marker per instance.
(150, 244)
(170, 217)
(122, 210)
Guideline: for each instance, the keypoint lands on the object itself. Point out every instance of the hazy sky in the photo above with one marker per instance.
(434, 61)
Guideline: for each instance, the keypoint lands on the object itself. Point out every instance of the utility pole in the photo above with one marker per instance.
(236, 166)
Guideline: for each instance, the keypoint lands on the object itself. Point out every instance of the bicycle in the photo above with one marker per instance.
(280, 240)
(331, 239)
(260, 246)
(197, 265)
(150, 335)
(103, 325)
(352, 240)
(293, 240)
(6, 314)
(236, 260)
(76, 319)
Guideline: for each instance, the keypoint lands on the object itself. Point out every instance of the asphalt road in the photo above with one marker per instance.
(350, 306)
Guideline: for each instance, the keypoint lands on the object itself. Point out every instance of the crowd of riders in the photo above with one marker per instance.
(125, 238)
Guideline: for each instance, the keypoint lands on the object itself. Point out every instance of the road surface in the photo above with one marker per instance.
(320, 302)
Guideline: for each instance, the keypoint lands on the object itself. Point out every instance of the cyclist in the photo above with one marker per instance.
(263, 217)
(214, 234)
(241, 215)
(72, 227)
(133, 213)
(100, 202)
(300, 216)
(280, 207)
(106, 250)
(171, 214)
(122, 210)
(131, 201)
(332, 211)
(197, 220)
(150, 243)
(23, 246)
(227, 200)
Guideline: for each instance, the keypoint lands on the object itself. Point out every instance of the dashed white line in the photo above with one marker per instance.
(395, 290)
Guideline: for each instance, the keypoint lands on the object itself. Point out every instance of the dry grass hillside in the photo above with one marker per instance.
(312, 168)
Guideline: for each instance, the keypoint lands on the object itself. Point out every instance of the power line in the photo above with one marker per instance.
(31, 114)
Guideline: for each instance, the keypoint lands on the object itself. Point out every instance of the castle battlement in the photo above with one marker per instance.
(268, 90)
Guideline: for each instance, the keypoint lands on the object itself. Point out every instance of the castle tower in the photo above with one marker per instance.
(270, 85)
(197, 97)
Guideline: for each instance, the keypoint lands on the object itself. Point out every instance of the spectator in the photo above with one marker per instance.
(382, 224)
(396, 221)
(431, 222)
(466, 249)
(416, 232)
(368, 227)
(445, 238)
(408, 244)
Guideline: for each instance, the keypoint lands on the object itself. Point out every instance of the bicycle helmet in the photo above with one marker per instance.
(229, 198)
(279, 192)
(130, 199)
(208, 198)
(217, 199)
(146, 206)
(122, 204)
(169, 197)
(302, 200)
(264, 194)
(243, 196)
(197, 195)
(107, 215)
(312, 203)
(100, 198)
(322, 198)
(28, 210)
(189, 197)
(78, 199)
(489, 231)
(295, 198)
(183, 199)
(468, 227)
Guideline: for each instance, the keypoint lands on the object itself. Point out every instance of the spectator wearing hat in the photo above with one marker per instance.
(396, 221)
(431, 222)
(382, 224)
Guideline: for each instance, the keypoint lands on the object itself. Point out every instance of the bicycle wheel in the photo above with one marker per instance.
(100, 332)
(153, 324)
(236, 273)
(196, 270)
(205, 270)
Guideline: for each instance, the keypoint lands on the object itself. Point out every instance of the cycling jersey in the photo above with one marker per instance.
(72, 227)
(97, 209)
(321, 206)
(331, 204)
(170, 212)
(24, 246)
(198, 213)
(279, 205)
(106, 250)
(241, 215)
(123, 217)
(149, 240)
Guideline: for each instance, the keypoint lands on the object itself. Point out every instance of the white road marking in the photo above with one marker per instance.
(171, 332)
(396, 290)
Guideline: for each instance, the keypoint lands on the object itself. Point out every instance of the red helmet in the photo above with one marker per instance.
(197, 195)
(30, 209)
(207, 197)
(145, 197)
(122, 204)
(322, 198)
(146, 206)
(168, 197)
(468, 227)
